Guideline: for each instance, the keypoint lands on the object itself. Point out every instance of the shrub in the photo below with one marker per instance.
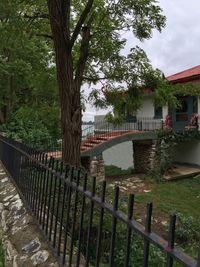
(188, 229)
(111, 170)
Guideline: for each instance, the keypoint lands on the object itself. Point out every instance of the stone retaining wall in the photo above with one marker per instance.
(94, 166)
(144, 155)
(23, 241)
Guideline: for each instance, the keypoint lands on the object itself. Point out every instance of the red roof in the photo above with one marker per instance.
(186, 75)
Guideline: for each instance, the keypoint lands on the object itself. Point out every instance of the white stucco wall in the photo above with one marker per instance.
(165, 111)
(120, 155)
(187, 152)
(147, 108)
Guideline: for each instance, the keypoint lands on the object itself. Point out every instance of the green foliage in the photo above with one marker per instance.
(156, 257)
(167, 141)
(163, 157)
(28, 91)
(178, 137)
(2, 255)
(180, 197)
(188, 229)
(114, 170)
(32, 125)
(136, 75)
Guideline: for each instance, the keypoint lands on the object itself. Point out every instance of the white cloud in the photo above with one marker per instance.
(177, 47)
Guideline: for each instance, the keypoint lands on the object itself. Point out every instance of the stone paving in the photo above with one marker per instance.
(130, 185)
(23, 241)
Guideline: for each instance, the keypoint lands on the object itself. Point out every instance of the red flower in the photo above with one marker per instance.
(168, 122)
(194, 119)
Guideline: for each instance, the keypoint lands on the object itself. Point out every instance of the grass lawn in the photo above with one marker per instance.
(181, 197)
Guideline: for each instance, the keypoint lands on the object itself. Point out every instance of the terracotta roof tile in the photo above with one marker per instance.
(186, 74)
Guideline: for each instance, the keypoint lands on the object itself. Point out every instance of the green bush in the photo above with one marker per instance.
(188, 229)
(111, 170)
(32, 125)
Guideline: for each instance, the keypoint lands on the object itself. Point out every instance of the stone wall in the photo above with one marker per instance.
(144, 155)
(23, 242)
(94, 166)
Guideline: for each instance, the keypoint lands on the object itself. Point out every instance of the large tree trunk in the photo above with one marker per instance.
(69, 90)
(71, 125)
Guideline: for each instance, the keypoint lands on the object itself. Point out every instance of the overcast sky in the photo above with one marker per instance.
(177, 47)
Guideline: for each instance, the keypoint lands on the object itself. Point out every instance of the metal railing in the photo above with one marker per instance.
(77, 220)
(138, 124)
(104, 130)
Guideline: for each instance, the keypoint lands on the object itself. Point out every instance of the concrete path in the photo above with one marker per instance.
(181, 171)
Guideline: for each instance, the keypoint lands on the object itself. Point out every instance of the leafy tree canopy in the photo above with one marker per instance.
(89, 38)
(28, 89)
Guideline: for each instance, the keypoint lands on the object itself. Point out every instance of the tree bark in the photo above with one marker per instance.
(2, 118)
(69, 90)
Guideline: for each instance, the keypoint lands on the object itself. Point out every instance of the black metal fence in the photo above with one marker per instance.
(137, 124)
(82, 226)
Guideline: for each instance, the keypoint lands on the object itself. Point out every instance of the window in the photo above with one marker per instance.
(158, 112)
(183, 105)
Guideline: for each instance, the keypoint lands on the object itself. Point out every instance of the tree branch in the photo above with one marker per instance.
(36, 16)
(66, 9)
(98, 79)
(84, 49)
(45, 35)
(81, 21)
(56, 12)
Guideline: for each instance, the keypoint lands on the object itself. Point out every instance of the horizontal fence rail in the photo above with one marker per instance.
(103, 131)
(81, 225)
(95, 134)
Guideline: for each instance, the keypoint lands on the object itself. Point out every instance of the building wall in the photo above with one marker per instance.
(165, 111)
(187, 152)
(120, 155)
(147, 108)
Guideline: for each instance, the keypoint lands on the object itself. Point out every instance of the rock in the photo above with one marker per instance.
(17, 205)
(140, 185)
(10, 250)
(7, 198)
(1, 208)
(146, 191)
(15, 261)
(3, 220)
(123, 188)
(33, 246)
(19, 213)
(15, 230)
(4, 180)
(164, 223)
(40, 257)
(53, 265)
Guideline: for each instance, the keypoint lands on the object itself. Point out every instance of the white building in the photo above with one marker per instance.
(180, 119)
